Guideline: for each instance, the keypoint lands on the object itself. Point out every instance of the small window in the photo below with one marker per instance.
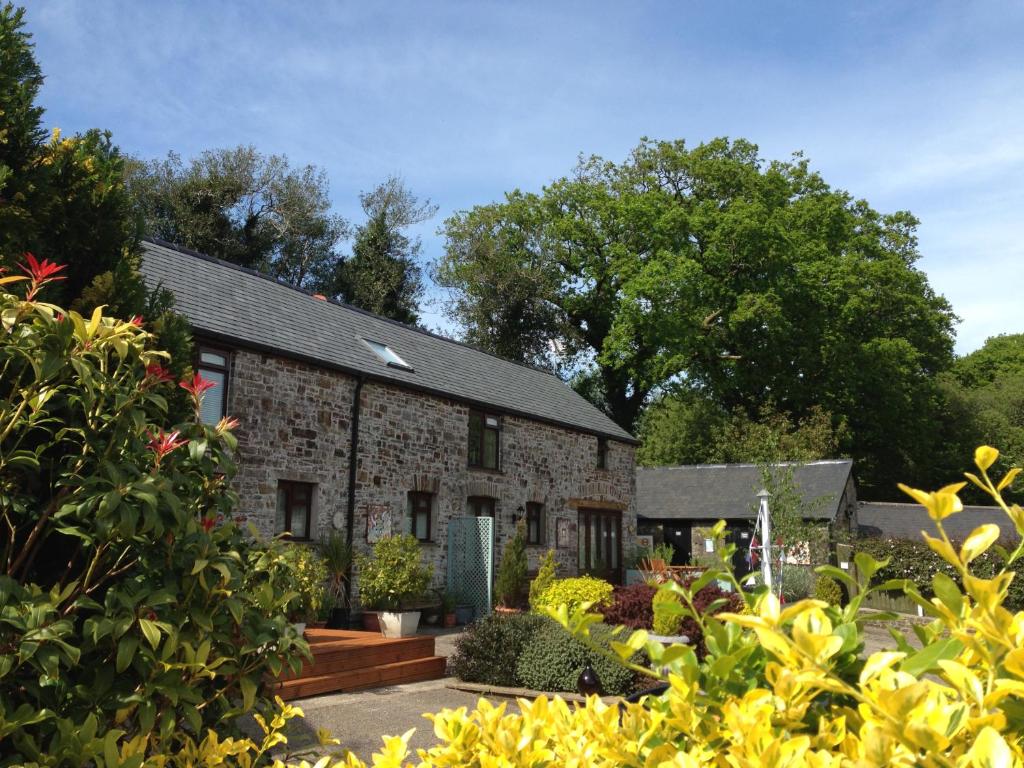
(295, 509)
(534, 523)
(484, 444)
(420, 507)
(480, 506)
(212, 365)
(388, 355)
(602, 453)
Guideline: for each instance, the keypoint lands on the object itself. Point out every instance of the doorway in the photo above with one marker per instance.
(677, 534)
(600, 543)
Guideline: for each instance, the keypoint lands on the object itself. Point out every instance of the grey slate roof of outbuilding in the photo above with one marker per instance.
(729, 491)
(906, 521)
(229, 303)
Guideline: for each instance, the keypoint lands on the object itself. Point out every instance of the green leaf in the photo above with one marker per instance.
(867, 566)
(948, 592)
(248, 692)
(926, 660)
(151, 631)
(126, 651)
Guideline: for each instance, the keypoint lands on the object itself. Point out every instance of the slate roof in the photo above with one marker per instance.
(228, 303)
(729, 491)
(906, 521)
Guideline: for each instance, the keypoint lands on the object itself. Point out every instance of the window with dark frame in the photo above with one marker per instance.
(534, 523)
(295, 509)
(602, 453)
(484, 442)
(212, 365)
(420, 507)
(480, 506)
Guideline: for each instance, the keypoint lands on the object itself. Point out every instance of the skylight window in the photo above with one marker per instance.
(388, 355)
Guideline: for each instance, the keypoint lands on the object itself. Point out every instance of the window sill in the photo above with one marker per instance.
(485, 470)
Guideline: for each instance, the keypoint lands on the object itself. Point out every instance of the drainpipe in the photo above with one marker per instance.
(353, 456)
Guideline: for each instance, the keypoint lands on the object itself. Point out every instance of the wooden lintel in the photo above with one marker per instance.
(594, 504)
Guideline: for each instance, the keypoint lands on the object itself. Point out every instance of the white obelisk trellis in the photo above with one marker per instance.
(763, 535)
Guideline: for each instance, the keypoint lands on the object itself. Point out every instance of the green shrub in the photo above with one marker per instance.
(576, 590)
(797, 582)
(511, 584)
(828, 589)
(488, 650)
(394, 574)
(306, 575)
(553, 659)
(667, 616)
(545, 575)
(129, 597)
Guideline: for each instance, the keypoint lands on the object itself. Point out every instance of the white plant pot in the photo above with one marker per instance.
(669, 639)
(300, 627)
(398, 623)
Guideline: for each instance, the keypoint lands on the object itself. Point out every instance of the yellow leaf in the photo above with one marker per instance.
(942, 548)
(981, 538)
(985, 456)
(877, 662)
(1008, 478)
(12, 279)
(990, 751)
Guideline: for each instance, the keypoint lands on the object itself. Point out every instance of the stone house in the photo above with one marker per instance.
(356, 423)
(678, 504)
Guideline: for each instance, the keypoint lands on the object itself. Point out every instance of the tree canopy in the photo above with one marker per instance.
(244, 207)
(712, 270)
(383, 274)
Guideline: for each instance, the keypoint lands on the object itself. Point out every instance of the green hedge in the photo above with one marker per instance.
(914, 560)
(487, 651)
(553, 659)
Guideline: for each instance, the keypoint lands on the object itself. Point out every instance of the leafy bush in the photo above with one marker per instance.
(489, 648)
(574, 591)
(545, 575)
(394, 574)
(135, 612)
(631, 607)
(828, 589)
(552, 661)
(668, 617)
(306, 576)
(511, 584)
(916, 561)
(337, 556)
(797, 582)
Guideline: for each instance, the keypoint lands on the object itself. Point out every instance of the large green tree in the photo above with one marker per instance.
(61, 197)
(712, 269)
(383, 274)
(245, 207)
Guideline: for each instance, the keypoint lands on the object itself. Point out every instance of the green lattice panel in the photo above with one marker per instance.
(471, 560)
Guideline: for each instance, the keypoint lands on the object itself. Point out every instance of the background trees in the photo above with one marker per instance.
(714, 273)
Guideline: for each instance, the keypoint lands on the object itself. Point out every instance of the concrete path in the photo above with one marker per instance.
(360, 719)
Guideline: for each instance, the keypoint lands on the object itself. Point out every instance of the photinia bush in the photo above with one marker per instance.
(125, 616)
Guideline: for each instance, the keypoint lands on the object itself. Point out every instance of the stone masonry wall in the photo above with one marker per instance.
(295, 425)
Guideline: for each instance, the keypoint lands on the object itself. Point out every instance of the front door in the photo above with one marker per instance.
(600, 543)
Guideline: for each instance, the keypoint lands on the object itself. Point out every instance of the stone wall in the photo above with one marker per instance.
(295, 425)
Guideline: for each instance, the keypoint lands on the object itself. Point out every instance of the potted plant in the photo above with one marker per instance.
(391, 578)
(511, 586)
(448, 609)
(465, 610)
(337, 556)
(307, 575)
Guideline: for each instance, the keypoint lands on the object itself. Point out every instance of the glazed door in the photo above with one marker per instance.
(600, 543)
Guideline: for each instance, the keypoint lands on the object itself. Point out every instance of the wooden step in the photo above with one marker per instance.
(411, 671)
(348, 655)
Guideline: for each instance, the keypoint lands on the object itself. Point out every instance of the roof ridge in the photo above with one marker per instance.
(256, 273)
(748, 465)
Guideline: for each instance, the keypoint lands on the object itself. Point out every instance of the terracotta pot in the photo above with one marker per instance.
(506, 611)
(449, 619)
(370, 621)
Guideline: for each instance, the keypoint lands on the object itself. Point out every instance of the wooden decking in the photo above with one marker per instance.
(345, 660)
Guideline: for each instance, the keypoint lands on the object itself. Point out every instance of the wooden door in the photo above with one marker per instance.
(600, 543)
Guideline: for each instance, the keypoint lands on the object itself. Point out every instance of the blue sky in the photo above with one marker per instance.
(911, 105)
